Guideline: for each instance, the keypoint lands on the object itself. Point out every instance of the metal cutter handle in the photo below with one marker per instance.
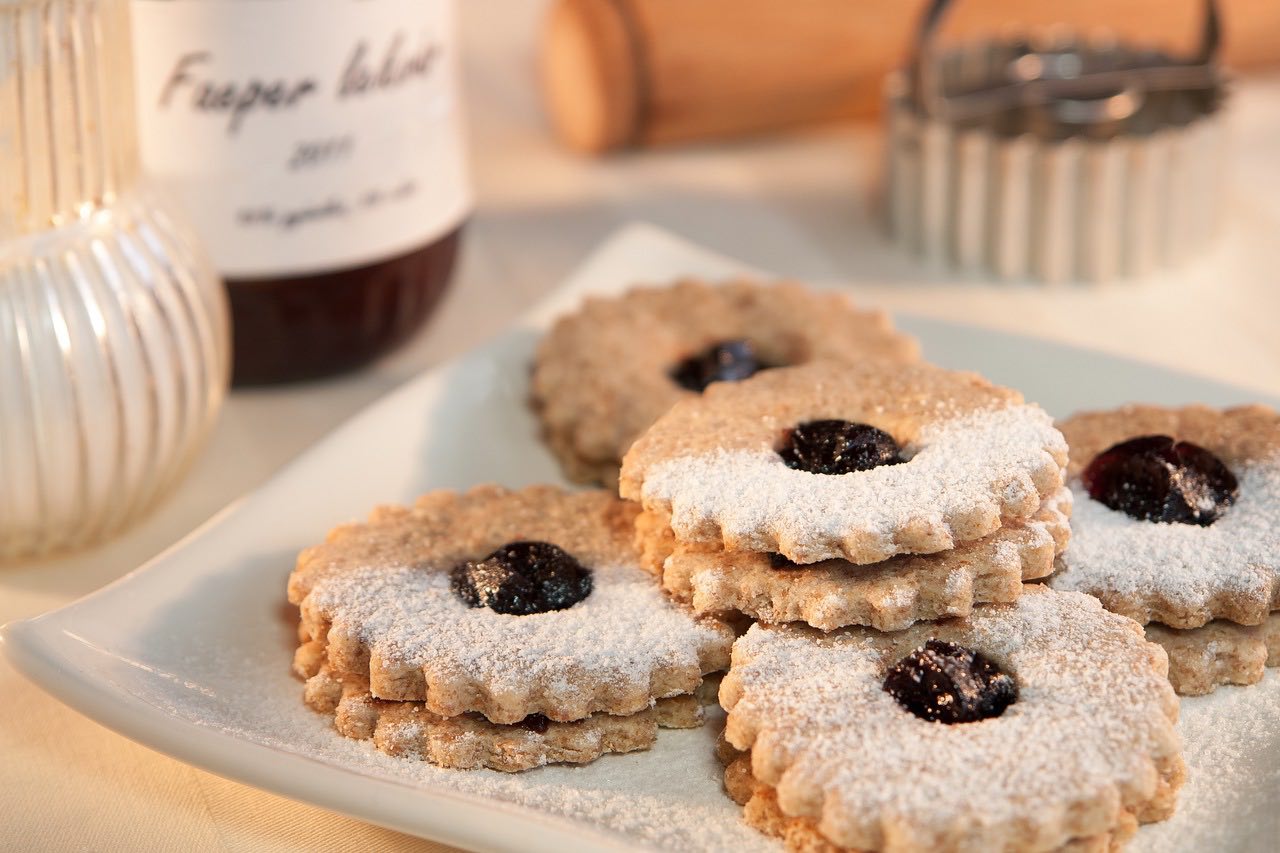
(1087, 95)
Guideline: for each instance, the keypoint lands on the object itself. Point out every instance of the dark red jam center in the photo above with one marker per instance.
(521, 578)
(945, 683)
(1154, 478)
(726, 361)
(536, 723)
(777, 561)
(838, 447)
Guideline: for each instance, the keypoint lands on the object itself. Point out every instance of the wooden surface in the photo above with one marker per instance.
(801, 205)
(648, 72)
(591, 77)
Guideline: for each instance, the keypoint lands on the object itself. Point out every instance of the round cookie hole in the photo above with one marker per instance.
(724, 361)
(943, 682)
(838, 447)
(1156, 478)
(522, 578)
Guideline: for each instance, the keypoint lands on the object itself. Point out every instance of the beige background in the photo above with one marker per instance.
(801, 206)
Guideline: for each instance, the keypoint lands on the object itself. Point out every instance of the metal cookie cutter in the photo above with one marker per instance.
(1056, 157)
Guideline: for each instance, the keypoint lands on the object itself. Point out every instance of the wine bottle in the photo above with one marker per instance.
(318, 148)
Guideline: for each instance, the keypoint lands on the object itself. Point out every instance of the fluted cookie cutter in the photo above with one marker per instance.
(1057, 156)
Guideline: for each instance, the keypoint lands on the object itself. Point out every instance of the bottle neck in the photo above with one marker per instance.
(68, 142)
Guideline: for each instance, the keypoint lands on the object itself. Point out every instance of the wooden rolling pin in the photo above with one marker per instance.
(621, 73)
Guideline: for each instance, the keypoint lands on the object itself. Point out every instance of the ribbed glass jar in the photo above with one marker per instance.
(114, 339)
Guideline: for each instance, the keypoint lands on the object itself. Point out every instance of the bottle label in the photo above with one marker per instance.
(303, 135)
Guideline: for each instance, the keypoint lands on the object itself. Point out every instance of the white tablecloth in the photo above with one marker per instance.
(802, 206)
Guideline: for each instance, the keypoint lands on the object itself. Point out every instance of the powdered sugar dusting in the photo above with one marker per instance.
(620, 633)
(1113, 554)
(898, 598)
(1091, 714)
(981, 460)
(1233, 762)
(1007, 552)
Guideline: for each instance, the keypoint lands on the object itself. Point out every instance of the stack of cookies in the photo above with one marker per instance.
(877, 521)
(1179, 529)
(501, 629)
(746, 484)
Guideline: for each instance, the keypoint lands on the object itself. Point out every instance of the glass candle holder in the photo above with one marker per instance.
(114, 339)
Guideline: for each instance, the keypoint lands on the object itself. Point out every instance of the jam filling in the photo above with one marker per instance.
(726, 361)
(521, 578)
(838, 447)
(946, 683)
(536, 723)
(1155, 478)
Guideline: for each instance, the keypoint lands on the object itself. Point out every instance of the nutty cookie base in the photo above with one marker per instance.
(888, 596)
(761, 811)
(468, 741)
(1202, 659)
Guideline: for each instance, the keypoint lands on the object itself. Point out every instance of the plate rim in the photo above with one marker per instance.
(36, 654)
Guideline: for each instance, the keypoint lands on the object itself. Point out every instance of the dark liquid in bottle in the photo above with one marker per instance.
(309, 326)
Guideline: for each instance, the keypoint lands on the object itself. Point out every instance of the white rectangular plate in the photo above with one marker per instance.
(190, 654)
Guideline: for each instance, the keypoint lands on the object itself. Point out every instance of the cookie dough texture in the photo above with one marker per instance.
(888, 596)
(978, 457)
(1089, 747)
(377, 608)
(469, 741)
(761, 810)
(601, 376)
(1205, 658)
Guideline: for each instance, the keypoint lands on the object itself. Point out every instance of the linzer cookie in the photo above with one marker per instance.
(887, 596)
(469, 741)
(503, 603)
(859, 462)
(1028, 726)
(1177, 513)
(605, 373)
